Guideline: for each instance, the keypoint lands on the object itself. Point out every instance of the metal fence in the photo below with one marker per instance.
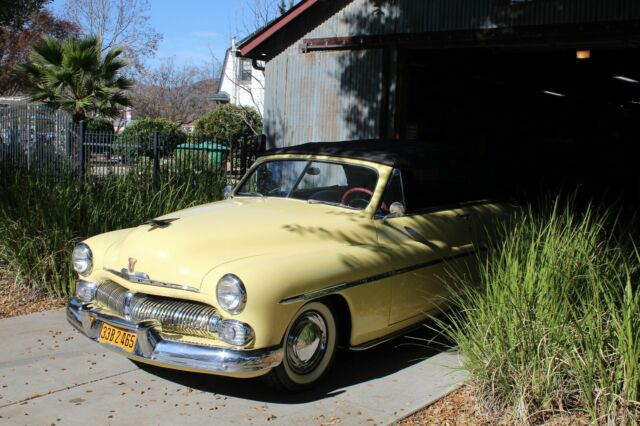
(73, 148)
(32, 133)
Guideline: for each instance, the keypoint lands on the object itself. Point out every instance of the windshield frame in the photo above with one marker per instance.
(381, 171)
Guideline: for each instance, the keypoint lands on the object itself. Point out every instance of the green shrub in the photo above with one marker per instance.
(137, 139)
(229, 124)
(555, 324)
(99, 125)
(41, 219)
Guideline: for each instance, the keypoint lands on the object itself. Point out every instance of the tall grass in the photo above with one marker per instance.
(555, 324)
(42, 218)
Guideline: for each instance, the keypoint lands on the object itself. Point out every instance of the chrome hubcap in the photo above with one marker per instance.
(307, 342)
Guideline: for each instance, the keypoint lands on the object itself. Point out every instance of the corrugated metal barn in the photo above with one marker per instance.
(531, 87)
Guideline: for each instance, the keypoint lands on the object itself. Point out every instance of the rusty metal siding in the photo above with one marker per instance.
(326, 96)
(274, 105)
(336, 95)
(406, 16)
(323, 96)
(454, 15)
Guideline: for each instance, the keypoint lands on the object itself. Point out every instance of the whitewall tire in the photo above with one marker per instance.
(309, 349)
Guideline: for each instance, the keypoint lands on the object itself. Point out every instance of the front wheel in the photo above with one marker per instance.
(309, 349)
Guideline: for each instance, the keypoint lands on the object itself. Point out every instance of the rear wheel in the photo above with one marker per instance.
(309, 349)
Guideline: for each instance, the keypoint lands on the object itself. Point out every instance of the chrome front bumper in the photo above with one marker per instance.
(151, 346)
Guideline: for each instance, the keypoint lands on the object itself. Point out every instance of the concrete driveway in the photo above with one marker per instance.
(50, 374)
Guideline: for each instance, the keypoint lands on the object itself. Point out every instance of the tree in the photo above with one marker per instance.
(75, 76)
(230, 124)
(175, 93)
(283, 7)
(117, 23)
(23, 23)
(16, 13)
(137, 138)
(258, 13)
(99, 125)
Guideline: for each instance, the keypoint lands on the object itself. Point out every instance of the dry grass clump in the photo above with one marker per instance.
(554, 327)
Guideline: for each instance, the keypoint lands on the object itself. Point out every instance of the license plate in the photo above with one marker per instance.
(117, 337)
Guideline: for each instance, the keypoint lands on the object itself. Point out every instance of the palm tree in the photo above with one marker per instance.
(74, 75)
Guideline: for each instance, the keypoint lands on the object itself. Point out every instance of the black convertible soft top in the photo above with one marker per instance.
(395, 153)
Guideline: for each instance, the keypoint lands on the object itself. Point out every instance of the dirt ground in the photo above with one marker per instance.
(460, 408)
(16, 301)
(457, 408)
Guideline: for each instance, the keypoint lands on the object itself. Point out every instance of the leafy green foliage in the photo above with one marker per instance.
(201, 159)
(41, 219)
(77, 76)
(555, 324)
(101, 125)
(137, 138)
(229, 124)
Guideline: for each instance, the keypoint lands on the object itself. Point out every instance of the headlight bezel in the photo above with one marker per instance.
(232, 282)
(86, 291)
(78, 250)
(242, 335)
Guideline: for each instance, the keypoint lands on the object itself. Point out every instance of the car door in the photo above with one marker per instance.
(425, 247)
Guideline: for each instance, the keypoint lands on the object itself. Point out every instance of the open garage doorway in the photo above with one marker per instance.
(530, 119)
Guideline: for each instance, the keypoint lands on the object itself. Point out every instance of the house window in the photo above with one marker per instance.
(244, 71)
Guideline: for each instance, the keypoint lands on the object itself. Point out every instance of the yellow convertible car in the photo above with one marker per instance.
(320, 245)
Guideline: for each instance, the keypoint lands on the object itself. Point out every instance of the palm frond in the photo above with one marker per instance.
(75, 76)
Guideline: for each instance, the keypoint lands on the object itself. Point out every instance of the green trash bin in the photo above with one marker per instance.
(216, 153)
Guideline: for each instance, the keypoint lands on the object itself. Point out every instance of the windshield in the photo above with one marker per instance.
(340, 184)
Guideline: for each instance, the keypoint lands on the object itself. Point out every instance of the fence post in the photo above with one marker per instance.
(156, 155)
(261, 143)
(243, 157)
(81, 148)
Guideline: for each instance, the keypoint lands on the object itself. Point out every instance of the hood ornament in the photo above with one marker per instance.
(132, 264)
(159, 223)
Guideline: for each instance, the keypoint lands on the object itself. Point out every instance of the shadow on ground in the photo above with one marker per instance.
(349, 368)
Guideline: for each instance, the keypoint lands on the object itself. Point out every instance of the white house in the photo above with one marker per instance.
(241, 81)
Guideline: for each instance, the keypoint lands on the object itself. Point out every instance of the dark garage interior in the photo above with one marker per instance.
(537, 94)
(530, 119)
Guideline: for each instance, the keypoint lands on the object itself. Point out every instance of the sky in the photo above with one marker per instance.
(193, 30)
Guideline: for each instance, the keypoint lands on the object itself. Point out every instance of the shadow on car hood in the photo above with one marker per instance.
(181, 247)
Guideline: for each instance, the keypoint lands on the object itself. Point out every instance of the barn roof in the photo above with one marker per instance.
(395, 153)
(270, 40)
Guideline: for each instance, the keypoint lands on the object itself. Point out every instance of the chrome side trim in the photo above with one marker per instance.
(152, 346)
(315, 294)
(142, 278)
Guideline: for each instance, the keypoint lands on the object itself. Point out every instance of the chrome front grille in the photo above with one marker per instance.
(175, 315)
(192, 318)
(112, 296)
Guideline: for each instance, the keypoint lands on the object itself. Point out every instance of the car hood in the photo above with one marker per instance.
(198, 239)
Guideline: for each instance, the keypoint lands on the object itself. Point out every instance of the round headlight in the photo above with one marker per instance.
(82, 259)
(231, 294)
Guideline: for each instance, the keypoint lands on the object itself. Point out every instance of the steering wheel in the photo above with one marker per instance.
(346, 195)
